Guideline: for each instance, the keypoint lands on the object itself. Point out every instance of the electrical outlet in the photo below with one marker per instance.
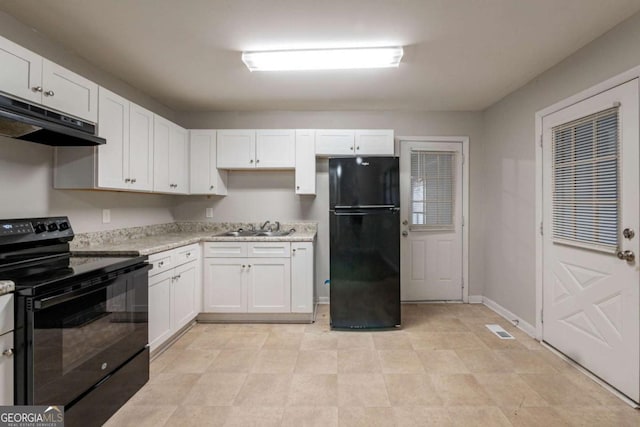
(106, 216)
(208, 212)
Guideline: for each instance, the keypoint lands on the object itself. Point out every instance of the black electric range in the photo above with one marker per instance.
(81, 323)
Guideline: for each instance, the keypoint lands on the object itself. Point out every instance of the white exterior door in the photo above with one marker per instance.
(431, 212)
(591, 298)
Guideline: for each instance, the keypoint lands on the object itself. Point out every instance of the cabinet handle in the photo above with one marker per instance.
(258, 161)
(351, 148)
(251, 161)
(127, 180)
(358, 147)
(249, 266)
(161, 263)
(211, 188)
(133, 180)
(293, 250)
(37, 88)
(243, 266)
(297, 187)
(188, 254)
(8, 352)
(49, 93)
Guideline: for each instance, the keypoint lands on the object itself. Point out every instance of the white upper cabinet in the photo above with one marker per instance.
(170, 158)
(375, 142)
(68, 92)
(256, 149)
(206, 178)
(275, 148)
(21, 71)
(140, 148)
(364, 142)
(305, 162)
(236, 149)
(26, 75)
(113, 157)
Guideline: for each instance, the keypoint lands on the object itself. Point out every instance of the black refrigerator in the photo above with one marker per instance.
(364, 221)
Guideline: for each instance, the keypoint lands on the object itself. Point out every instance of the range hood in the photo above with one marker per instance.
(34, 123)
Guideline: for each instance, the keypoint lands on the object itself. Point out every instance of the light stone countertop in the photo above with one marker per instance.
(6, 287)
(171, 239)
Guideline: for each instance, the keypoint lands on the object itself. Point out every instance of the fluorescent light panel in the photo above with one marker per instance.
(323, 59)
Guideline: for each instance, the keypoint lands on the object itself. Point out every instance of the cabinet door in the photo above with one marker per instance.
(184, 294)
(302, 277)
(225, 285)
(161, 138)
(21, 71)
(334, 142)
(236, 149)
(305, 162)
(160, 308)
(377, 142)
(179, 160)
(113, 157)
(140, 148)
(275, 148)
(6, 369)
(206, 178)
(269, 285)
(68, 92)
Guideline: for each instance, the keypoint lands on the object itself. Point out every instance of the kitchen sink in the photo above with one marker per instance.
(255, 233)
(274, 233)
(238, 233)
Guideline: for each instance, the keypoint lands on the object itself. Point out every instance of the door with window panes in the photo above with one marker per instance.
(591, 297)
(431, 215)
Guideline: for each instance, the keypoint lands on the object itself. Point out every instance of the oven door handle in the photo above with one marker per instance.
(42, 303)
(103, 283)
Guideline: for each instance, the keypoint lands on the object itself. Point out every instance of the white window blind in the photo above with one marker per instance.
(433, 176)
(585, 181)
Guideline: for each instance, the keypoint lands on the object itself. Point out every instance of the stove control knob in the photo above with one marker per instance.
(63, 226)
(40, 228)
(52, 227)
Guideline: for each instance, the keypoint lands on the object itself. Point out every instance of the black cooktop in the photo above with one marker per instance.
(76, 272)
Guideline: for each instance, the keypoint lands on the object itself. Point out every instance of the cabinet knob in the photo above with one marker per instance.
(243, 266)
(133, 180)
(8, 352)
(297, 187)
(211, 188)
(293, 250)
(188, 254)
(161, 263)
(358, 147)
(351, 148)
(49, 93)
(127, 180)
(249, 266)
(258, 161)
(251, 161)
(37, 88)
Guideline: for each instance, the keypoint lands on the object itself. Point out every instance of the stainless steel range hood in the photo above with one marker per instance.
(34, 123)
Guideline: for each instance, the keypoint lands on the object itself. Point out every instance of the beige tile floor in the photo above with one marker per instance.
(444, 368)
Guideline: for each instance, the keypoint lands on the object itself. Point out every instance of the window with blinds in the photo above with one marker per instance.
(585, 181)
(433, 176)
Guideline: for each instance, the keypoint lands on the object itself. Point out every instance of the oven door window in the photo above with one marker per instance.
(81, 340)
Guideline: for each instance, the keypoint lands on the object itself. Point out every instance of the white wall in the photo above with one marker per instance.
(26, 173)
(258, 196)
(509, 162)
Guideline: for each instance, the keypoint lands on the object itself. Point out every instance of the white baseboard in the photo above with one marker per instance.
(527, 328)
(323, 300)
(475, 299)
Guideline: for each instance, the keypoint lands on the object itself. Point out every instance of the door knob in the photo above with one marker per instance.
(628, 256)
(405, 222)
(405, 233)
(628, 233)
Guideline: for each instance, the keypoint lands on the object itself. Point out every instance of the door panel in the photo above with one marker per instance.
(225, 289)
(113, 157)
(69, 92)
(275, 148)
(236, 149)
(269, 285)
(590, 297)
(141, 148)
(431, 257)
(21, 71)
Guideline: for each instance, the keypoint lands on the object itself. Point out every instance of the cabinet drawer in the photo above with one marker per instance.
(6, 313)
(161, 262)
(185, 254)
(269, 249)
(225, 249)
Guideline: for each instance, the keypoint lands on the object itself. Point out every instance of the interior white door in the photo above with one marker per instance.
(431, 212)
(591, 298)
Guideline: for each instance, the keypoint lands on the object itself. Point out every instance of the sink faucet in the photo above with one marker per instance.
(277, 226)
(265, 224)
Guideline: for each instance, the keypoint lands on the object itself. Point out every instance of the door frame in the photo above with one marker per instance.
(604, 86)
(464, 140)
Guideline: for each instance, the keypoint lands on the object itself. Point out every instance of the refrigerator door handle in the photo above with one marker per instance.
(350, 213)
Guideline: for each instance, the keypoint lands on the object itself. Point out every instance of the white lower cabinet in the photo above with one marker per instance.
(258, 277)
(6, 349)
(174, 292)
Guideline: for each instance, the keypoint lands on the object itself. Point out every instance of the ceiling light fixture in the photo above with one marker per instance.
(323, 59)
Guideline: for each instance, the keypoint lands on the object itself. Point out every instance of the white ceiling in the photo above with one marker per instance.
(459, 54)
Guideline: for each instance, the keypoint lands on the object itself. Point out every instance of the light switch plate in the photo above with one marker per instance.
(208, 212)
(106, 216)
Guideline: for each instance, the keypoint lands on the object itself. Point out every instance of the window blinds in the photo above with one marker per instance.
(585, 181)
(433, 176)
